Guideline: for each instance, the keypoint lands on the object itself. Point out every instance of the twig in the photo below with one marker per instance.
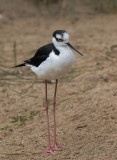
(14, 51)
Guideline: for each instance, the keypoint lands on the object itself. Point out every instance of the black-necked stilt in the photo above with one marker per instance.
(50, 62)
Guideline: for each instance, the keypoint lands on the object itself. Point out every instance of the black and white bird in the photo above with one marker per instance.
(51, 62)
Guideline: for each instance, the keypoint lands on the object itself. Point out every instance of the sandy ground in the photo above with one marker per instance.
(87, 95)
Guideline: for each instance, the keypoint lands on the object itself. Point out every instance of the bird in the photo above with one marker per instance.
(51, 62)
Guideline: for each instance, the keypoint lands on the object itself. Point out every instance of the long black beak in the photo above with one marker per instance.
(74, 48)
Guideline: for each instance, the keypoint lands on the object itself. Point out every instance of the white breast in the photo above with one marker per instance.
(55, 66)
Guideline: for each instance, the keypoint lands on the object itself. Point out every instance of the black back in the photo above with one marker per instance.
(42, 54)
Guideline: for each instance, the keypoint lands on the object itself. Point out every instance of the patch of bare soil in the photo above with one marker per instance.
(87, 96)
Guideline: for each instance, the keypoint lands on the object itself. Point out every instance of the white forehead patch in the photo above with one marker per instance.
(58, 36)
(66, 36)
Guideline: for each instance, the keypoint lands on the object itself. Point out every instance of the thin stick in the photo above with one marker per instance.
(14, 51)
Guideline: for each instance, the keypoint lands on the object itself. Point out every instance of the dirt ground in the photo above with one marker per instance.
(87, 96)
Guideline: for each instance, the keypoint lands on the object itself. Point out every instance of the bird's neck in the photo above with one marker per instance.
(59, 47)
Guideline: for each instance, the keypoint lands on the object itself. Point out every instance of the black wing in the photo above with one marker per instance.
(41, 55)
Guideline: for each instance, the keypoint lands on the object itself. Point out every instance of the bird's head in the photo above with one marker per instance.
(61, 38)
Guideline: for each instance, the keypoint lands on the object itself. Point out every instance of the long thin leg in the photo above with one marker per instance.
(54, 103)
(49, 149)
(55, 145)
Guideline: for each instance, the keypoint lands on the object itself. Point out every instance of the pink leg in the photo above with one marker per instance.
(49, 149)
(55, 145)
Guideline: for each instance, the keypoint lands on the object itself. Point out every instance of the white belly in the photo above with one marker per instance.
(55, 66)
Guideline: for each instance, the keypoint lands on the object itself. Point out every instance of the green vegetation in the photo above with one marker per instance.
(4, 128)
(56, 6)
(45, 2)
(32, 114)
(18, 119)
(105, 6)
(21, 119)
(49, 102)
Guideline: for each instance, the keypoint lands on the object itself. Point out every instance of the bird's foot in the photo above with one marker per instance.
(56, 147)
(49, 150)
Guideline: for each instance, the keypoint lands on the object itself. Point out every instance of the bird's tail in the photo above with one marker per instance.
(20, 65)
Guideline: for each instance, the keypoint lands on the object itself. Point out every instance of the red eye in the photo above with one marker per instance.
(59, 40)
